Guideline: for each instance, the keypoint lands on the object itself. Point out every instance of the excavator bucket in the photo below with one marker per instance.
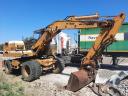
(78, 80)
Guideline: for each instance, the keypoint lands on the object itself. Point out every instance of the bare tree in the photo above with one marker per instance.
(29, 41)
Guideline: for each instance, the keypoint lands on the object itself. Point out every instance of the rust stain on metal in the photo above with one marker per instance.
(78, 80)
(46, 62)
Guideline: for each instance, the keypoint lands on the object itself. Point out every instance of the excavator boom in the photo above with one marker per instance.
(71, 22)
(87, 72)
(52, 30)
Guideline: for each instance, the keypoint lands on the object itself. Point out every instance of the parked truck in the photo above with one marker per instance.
(117, 49)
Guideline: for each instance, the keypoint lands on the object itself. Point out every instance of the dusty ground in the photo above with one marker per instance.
(53, 84)
(50, 84)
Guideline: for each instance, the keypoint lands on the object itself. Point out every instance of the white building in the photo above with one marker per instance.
(63, 41)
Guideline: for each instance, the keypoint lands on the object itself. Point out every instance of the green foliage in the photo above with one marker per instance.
(10, 89)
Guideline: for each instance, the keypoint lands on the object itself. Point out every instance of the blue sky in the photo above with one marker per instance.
(21, 17)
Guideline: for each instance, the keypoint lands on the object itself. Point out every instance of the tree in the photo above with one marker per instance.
(1, 46)
(29, 41)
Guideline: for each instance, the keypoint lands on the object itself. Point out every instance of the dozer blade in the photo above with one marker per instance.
(78, 80)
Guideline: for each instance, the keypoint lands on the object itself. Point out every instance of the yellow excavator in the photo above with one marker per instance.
(32, 66)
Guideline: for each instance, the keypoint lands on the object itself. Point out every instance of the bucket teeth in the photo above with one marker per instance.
(78, 80)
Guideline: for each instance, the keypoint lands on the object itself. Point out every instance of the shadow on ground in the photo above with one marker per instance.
(114, 67)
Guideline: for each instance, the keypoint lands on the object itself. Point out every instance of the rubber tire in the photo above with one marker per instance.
(38, 69)
(59, 66)
(76, 58)
(8, 67)
(34, 68)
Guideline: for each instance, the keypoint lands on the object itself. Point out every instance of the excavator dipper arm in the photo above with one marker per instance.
(87, 72)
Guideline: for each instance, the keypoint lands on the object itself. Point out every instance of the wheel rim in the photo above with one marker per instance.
(26, 71)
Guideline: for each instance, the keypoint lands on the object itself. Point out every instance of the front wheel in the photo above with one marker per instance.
(31, 70)
(59, 66)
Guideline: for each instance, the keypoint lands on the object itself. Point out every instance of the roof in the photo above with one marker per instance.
(18, 42)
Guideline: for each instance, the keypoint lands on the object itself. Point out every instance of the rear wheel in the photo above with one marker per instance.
(8, 67)
(59, 66)
(31, 70)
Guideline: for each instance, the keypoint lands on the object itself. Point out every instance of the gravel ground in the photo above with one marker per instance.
(123, 87)
(50, 84)
(53, 84)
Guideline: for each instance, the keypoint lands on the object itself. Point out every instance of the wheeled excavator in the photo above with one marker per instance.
(33, 66)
